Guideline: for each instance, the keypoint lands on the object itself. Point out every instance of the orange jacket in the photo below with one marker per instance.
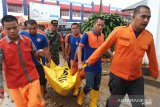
(15, 76)
(129, 53)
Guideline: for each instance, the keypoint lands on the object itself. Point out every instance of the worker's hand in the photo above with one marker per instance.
(84, 66)
(46, 51)
(48, 64)
(86, 63)
(66, 58)
(73, 64)
(79, 66)
(41, 52)
(64, 55)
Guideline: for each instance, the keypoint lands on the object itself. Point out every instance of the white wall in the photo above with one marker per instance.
(154, 24)
(15, 14)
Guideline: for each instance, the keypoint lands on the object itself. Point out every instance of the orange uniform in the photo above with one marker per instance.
(22, 81)
(28, 96)
(67, 37)
(129, 53)
(12, 62)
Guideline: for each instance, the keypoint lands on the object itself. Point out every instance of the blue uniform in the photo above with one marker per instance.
(88, 50)
(40, 42)
(23, 32)
(91, 41)
(74, 41)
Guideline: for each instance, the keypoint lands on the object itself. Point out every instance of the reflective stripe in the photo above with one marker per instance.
(22, 63)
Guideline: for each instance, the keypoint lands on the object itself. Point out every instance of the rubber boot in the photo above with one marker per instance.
(76, 87)
(80, 99)
(94, 95)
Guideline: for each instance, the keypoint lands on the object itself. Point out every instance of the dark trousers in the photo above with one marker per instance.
(68, 61)
(93, 81)
(119, 88)
(41, 73)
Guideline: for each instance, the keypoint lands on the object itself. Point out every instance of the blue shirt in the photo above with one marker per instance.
(97, 67)
(23, 32)
(40, 42)
(74, 41)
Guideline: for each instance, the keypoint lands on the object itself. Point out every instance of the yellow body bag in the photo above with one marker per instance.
(60, 78)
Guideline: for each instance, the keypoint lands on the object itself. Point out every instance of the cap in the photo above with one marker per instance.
(54, 22)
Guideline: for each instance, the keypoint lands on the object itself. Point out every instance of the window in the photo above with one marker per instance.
(15, 8)
(76, 13)
(64, 12)
(87, 14)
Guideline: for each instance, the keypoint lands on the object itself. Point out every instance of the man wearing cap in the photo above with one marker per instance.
(55, 40)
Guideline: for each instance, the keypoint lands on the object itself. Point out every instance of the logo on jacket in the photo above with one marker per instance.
(76, 43)
(38, 39)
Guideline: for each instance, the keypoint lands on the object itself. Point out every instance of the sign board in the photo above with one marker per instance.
(43, 12)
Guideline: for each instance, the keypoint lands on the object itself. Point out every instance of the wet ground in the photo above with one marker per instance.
(55, 100)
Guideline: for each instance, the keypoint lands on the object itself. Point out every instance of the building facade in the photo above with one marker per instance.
(70, 11)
